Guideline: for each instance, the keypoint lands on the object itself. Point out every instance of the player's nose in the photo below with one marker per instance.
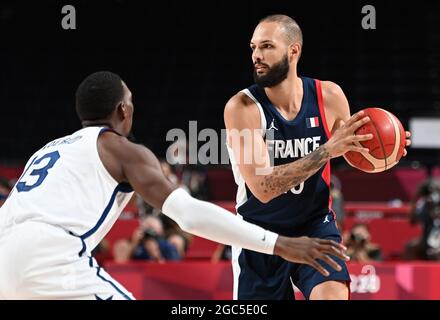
(257, 56)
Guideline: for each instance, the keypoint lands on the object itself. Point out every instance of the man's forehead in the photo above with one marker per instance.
(267, 31)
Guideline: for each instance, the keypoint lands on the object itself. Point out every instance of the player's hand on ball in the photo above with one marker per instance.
(311, 251)
(408, 142)
(387, 145)
(344, 137)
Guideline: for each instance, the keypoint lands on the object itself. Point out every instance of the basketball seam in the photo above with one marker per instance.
(381, 144)
(397, 136)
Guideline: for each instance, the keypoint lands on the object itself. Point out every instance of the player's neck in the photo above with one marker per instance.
(288, 94)
(98, 123)
(102, 123)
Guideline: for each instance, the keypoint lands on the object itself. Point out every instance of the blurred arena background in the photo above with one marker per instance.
(183, 60)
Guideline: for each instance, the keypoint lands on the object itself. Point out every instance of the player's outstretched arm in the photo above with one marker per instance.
(265, 181)
(135, 164)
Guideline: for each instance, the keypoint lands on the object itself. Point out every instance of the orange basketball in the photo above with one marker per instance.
(386, 147)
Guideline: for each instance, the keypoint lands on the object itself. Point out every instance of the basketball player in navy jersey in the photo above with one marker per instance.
(298, 124)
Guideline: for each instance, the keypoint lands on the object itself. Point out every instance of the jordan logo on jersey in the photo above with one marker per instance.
(272, 125)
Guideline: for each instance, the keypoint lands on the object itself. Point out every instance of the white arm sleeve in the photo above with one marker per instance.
(209, 221)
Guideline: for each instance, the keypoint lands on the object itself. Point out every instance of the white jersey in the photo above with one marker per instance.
(65, 184)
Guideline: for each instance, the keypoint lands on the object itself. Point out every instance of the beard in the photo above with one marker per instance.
(275, 74)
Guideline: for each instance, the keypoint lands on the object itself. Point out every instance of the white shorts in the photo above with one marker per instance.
(40, 261)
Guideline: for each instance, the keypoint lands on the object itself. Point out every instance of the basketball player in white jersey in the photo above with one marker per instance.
(73, 189)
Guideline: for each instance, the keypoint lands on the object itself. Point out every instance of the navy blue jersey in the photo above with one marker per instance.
(289, 141)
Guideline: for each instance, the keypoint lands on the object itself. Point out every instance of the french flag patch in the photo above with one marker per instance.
(312, 122)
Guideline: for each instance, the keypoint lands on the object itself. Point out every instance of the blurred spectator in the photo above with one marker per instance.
(337, 200)
(168, 172)
(149, 243)
(122, 251)
(131, 211)
(144, 208)
(155, 248)
(4, 190)
(101, 252)
(359, 245)
(194, 178)
(425, 209)
(222, 253)
(152, 223)
(192, 175)
(180, 242)
(149, 248)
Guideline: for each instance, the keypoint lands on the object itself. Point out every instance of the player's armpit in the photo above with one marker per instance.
(137, 165)
(336, 106)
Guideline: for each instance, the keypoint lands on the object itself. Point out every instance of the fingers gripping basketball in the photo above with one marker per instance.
(387, 146)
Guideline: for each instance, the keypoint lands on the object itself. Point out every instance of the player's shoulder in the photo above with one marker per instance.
(117, 153)
(240, 103)
(334, 97)
(122, 148)
(331, 89)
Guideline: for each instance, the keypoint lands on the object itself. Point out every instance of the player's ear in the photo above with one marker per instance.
(294, 51)
(122, 110)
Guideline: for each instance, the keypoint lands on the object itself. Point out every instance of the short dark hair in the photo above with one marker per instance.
(291, 28)
(98, 95)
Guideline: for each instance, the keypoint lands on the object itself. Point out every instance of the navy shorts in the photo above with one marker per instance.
(270, 277)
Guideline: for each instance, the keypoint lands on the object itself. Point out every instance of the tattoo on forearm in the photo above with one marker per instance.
(287, 176)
